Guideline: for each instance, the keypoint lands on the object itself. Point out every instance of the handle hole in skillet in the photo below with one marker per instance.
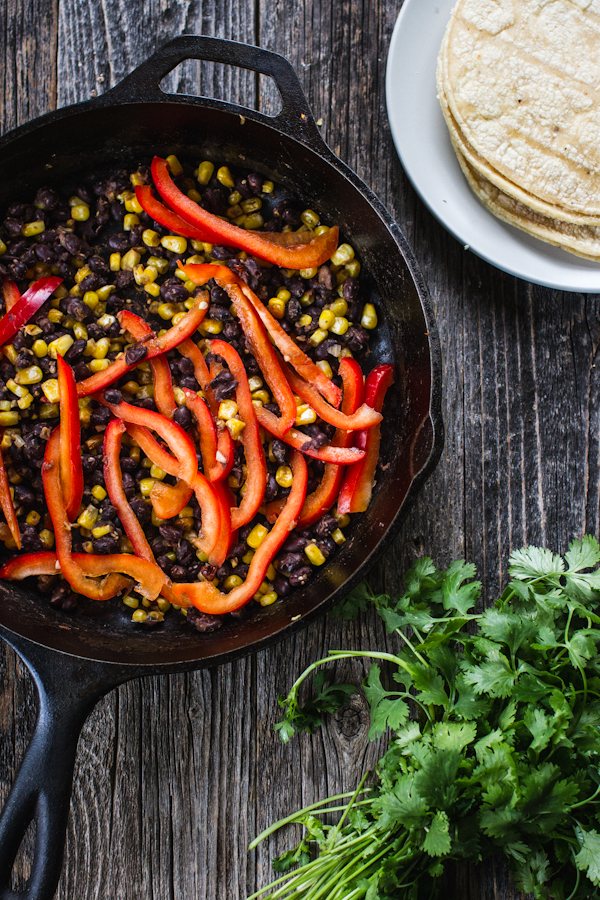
(21, 870)
(220, 81)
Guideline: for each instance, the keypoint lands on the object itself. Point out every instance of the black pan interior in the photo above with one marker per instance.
(87, 141)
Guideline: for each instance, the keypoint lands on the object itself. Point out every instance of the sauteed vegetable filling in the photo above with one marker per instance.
(185, 420)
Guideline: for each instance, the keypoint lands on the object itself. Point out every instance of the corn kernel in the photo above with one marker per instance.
(338, 536)
(47, 411)
(310, 218)
(146, 485)
(114, 262)
(235, 427)
(32, 228)
(255, 382)
(17, 389)
(10, 418)
(47, 538)
(174, 165)
(161, 265)
(152, 288)
(132, 205)
(235, 212)
(130, 221)
(163, 605)
(88, 517)
(324, 366)
(11, 352)
(369, 316)
(13, 476)
(343, 519)
(166, 311)
(5, 405)
(305, 415)
(140, 615)
(308, 273)
(130, 259)
(54, 315)
(344, 254)
(101, 349)
(150, 238)
(99, 365)
(268, 599)
(33, 517)
(339, 307)
(174, 243)
(227, 409)
(257, 536)
(277, 307)
(205, 172)
(225, 177)
(212, 326)
(253, 221)
(314, 554)
(268, 187)
(25, 401)
(145, 392)
(85, 416)
(317, 337)
(232, 581)
(101, 531)
(284, 477)
(98, 492)
(340, 325)
(304, 321)
(82, 273)
(131, 601)
(157, 472)
(346, 353)
(179, 395)
(31, 375)
(353, 268)
(3, 247)
(326, 319)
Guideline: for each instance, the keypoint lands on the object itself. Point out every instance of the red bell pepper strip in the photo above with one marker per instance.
(6, 501)
(207, 434)
(293, 250)
(342, 456)
(26, 306)
(10, 292)
(69, 567)
(208, 599)
(151, 580)
(161, 372)
(246, 302)
(156, 346)
(357, 487)
(255, 333)
(113, 480)
(167, 499)
(250, 437)
(165, 217)
(184, 451)
(71, 469)
(225, 447)
(363, 418)
(323, 498)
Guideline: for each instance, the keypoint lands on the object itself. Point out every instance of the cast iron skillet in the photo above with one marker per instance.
(76, 659)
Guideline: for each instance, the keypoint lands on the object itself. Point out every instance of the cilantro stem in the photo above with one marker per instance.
(589, 799)
(289, 820)
(358, 790)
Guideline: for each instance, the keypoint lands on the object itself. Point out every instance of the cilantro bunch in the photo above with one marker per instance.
(495, 738)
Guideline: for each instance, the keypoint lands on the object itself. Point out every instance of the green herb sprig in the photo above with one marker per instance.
(495, 738)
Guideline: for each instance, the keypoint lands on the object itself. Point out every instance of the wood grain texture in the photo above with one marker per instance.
(175, 775)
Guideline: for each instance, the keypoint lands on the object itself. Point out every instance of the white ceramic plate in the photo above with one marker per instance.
(424, 147)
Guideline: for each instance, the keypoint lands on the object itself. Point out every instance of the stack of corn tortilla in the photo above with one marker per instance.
(519, 85)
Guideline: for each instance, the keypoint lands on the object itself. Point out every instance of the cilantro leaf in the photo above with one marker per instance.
(457, 595)
(357, 601)
(327, 699)
(453, 735)
(437, 840)
(583, 554)
(494, 677)
(387, 708)
(588, 858)
(534, 562)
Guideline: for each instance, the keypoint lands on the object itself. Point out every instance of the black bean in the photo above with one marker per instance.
(46, 583)
(118, 182)
(326, 278)
(158, 546)
(46, 197)
(113, 395)
(136, 353)
(99, 265)
(179, 573)
(76, 349)
(300, 576)
(271, 488)
(170, 534)
(17, 269)
(295, 544)
(81, 370)
(183, 417)
(106, 544)
(255, 181)
(221, 253)
(44, 253)
(189, 382)
(281, 585)
(71, 242)
(290, 561)
(63, 598)
(215, 201)
(223, 385)
(356, 338)
(24, 495)
(128, 485)
(208, 572)
(117, 211)
(119, 242)
(147, 403)
(184, 553)
(142, 510)
(128, 464)
(219, 297)
(101, 416)
(13, 226)
(327, 546)
(90, 283)
(173, 291)
(203, 622)
(89, 463)
(326, 526)
(220, 313)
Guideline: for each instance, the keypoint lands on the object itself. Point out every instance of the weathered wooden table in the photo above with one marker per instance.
(176, 775)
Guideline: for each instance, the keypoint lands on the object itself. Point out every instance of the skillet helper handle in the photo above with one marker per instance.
(68, 688)
(295, 118)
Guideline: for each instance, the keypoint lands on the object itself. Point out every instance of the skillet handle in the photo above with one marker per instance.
(68, 688)
(295, 118)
